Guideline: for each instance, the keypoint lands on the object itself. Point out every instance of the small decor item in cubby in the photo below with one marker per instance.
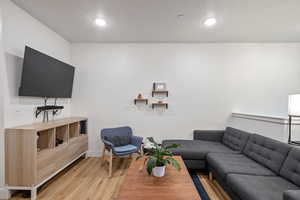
(58, 142)
(37, 142)
(159, 86)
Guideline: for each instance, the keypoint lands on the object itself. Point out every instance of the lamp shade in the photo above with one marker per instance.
(294, 105)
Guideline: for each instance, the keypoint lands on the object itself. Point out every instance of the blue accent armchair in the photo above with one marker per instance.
(120, 142)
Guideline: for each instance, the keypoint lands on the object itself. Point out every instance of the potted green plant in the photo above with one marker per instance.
(158, 157)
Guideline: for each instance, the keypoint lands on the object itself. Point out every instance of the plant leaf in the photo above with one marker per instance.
(174, 163)
(152, 140)
(139, 157)
(151, 164)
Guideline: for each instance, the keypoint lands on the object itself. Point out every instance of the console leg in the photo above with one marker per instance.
(210, 176)
(33, 193)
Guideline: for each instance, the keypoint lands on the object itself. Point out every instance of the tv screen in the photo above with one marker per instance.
(44, 76)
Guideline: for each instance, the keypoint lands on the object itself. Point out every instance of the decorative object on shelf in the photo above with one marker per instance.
(294, 111)
(140, 98)
(158, 157)
(160, 88)
(160, 103)
(58, 142)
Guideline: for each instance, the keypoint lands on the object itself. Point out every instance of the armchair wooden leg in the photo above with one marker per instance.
(103, 156)
(110, 163)
(210, 175)
(142, 150)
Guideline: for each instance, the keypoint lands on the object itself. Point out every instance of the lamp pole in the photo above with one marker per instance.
(290, 129)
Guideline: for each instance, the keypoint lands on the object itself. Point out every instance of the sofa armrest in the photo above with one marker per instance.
(209, 135)
(291, 195)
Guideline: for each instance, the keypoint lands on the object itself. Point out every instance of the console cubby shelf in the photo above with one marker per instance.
(54, 137)
(74, 130)
(45, 139)
(61, 135)
(34, 153)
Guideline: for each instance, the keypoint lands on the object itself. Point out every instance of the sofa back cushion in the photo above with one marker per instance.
(266, 151)
(291, 167)
(235, 139)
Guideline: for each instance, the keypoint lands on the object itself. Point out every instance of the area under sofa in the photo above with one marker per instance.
(248, 166)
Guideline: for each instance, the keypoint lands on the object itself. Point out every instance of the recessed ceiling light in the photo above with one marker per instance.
(180, 16)
(210, 21)
(100, 22)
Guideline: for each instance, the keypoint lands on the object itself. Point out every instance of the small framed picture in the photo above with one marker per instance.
(159, 86)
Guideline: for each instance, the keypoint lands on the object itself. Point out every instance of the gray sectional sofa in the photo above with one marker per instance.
(248, 166)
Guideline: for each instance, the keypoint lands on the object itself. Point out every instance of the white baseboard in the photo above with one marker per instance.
(4, 193)
(93, 154)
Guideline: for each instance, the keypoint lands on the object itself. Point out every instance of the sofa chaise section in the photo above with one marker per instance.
(194, 152)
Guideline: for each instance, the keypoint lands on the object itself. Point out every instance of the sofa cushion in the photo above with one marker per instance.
(268, 152)
(225, 164)
(291, 167)
(235, 139)
(197, 149)
(249, 187)
(126, 149)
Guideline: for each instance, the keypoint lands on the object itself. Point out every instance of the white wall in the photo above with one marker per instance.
(3, 192)
(206, 82)
(21, 29)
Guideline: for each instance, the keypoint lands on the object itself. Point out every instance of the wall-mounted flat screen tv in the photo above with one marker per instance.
(45, 76)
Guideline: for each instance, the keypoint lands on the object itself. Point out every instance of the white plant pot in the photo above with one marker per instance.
(159, 171)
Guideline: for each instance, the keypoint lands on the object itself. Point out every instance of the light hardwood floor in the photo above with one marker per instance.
(88, 180)
(213, 189)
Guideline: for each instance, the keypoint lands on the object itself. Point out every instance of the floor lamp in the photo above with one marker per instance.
(294, 111)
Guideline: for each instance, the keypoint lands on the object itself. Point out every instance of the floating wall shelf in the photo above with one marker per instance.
(166, 92)
(160, 104)
(141, 100)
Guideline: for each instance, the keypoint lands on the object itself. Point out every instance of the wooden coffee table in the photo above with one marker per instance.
(175, 185)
